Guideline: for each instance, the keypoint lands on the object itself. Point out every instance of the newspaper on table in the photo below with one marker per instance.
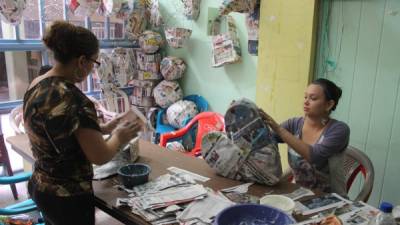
(170, 196)
(165, 221)
(353, 213)
(161, 183)
(299, 193)
(321, 203)
(204, 210)
(194, 176)
(242, 188)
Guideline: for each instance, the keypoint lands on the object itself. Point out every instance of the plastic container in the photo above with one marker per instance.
(252, 214)
(385, 216)
(278, 201)
(134, 174)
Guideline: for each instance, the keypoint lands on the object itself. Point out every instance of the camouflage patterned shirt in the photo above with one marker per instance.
(53, 110)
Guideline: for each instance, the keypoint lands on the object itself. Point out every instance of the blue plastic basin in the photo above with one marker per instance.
(134, 174)
(252, 214)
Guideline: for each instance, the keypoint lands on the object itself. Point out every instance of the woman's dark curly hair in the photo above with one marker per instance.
(68, 41)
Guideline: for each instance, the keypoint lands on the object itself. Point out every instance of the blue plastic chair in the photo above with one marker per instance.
(161, 128)
(20, 207)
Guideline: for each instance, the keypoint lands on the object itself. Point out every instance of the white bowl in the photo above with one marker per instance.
(278, 201)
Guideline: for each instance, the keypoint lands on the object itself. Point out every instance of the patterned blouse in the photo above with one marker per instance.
(326, 169)
(53, 109)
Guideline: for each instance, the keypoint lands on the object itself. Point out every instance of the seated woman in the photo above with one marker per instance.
(316, 141)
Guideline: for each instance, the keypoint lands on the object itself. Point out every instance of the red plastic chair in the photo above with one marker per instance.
(206, 122)
(355, 162)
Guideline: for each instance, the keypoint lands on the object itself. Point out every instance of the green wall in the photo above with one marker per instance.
(359, 49)
(218, 85)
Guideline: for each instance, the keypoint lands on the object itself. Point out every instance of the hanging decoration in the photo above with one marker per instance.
(191, 9)
(172, 68)
(241, 6)
(83, 7)
(11, 11)
(136, 24)
(179, 112)
(177, 36)
(124, 69)
(111, 7)
(167, 93)
(141, 4)
(105, 70)
(156, 19)
(252, 24)
(142, 93)
(125, 10)
(225, 46)
(150, 41)
(148, 62)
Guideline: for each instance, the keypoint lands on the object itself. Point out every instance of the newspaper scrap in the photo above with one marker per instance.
(172, 208)
(214, 204)
(122, 202)
(166, 221)
(321, 203)
(161, 183)
(354, 213)
(299, 193)
(170, 196)
(242, 198)
(243, 188)
(194, 176)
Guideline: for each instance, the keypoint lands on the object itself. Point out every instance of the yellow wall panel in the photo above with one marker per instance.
(286, 53)
(285, 60)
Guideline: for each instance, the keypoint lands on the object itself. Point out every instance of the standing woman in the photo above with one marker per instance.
(62, 127)
(316, 142)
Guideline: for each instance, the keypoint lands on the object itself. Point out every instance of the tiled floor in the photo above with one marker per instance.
(6, 198)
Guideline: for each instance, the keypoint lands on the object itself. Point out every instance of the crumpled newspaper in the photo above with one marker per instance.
(181, 112)
(150, 41)
(11, 11)
(167, 93)
(172, 68)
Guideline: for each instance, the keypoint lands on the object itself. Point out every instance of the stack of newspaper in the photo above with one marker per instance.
(352, 213)
(163, 199)
(349, 213)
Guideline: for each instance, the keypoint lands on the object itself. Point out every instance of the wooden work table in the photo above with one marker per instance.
(159, 160)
